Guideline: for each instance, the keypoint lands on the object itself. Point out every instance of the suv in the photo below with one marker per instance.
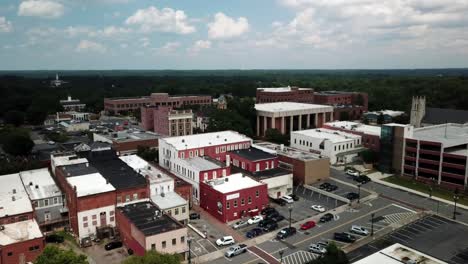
(254, 232)
(344, 237)
(264, 222)
(224, 241)
(324, 185)
(270, 226)
(271, 214)
(268, 210)
(294, 197)
(362, 179)
(277, 218)
(359, 230)
(286, 232)
(352, 196)
(193, 216)
(113, 245)
(317, 249)
(352, 172)
(235, 250)
(326, 218)
(279, 201)
(288, 199)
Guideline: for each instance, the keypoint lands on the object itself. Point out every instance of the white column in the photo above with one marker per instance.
(300, 123)
(308, 121)
(291, 122)
(264, 125)
(273, 122)
(324, 118)
(315, 119)
(258, 125)
(283, 127)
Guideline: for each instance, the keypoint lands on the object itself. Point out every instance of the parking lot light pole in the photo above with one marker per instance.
(455, 199)
(290, 208)
(189, 241)
(281, 256)
(359, 193)
(372, 224)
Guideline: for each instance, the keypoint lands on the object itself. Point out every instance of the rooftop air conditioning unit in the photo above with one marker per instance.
(37, 186)
(2, 227)
(30, 184)
(14, 191)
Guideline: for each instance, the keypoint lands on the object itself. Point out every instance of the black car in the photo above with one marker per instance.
(279, 201)
(194, 216)
(254, 232)
(324, 185)
(54, 238)
(326, 218)
(352, 196)
(363, 179)
(270, 227)
(272, 214)
(113, 245)
(277, 218)
(331, 188)
(286, 232)
(265, 222)
(294, 197)
(268, 211)
(344, 237)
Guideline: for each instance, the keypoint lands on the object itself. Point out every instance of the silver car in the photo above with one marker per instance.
(317, 249)
(239, 224)
(359, 230)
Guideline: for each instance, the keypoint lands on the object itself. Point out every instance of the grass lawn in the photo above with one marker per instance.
(424, 188)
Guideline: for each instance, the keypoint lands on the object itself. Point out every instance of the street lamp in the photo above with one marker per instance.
(281, 256)
(455, 199)
(189, 241)
(359, 192)
(432, 187)
(290, 208)
(372, 224)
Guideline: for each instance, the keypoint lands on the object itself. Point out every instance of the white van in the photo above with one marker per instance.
(288, 199)
(225, 241)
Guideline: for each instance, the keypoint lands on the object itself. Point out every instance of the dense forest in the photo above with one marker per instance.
(30, 94)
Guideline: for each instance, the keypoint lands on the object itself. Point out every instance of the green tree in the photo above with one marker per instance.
(229, 119)
(154, 257)
(402, 119)
(274, 135)
(15, 118)
(380, 119)
(344, 116)
(334, 255)
(55, 255)
(18, 144)
(147, 153)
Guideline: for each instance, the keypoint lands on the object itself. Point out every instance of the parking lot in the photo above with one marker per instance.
(201, 246)
(98, 254)
(344, 189)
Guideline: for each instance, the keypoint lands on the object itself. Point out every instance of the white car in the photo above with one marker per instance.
(317, 249)
(354, 173)
(318, 208)
(255, 219)
(239, 224)
(359, 230)
(225, 241)
(288, 199)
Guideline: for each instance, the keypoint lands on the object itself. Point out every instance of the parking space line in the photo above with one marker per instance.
(203, 246)
(404, 208)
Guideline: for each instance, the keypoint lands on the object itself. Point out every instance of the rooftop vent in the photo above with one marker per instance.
(30, 184)
(162, 194)
(37, 186)
(14, 191)
(13, 198)
(159, 175)
(2, 228)
(225, 139)
(226, 179)
(183, 140)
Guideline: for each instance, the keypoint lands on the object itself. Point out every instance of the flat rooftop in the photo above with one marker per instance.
(449, 135)
(61, 160)
(19, 232)
(154, 174)
(358, 127)
(274, 148)
(130, 135)
(398, 254)
(205, 163)
(232, 183)
(13, 197)
(205, 140)
(253, 154)
(333, 135)
(261, 175)
(169, 200)
(78, 169)
(149, 219)
(291, 106)
(281, 89)
(331, 93)
(391, 113)
(90, 184)
(39, 184)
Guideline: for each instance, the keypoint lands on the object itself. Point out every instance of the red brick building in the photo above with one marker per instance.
(155, 99)
(285, 94)
(370, 134)
(233, 197)
(354, 104)
(127, 141)
(253, 159)
(167, 121)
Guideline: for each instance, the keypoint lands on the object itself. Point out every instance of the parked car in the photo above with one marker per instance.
(286, 232)
(54, 238)
(255, 219)
(324, 185)
(352, 196)
(363, 179)
(331, 188)
(317, 249)
(254, 232)
(352, 172)
(86, 242)
(277, 218)
(239, 224)
(318, 208)
(113, 245)
(225, 241)
(294, 197)
(279, 201)
(308, 225)
(270, 227)
(235, 250)
(194, 216)
(326, 218)
(272, 214)
(359, 230)
(264, 222)
(344, 237)
(288, 199)
(323, 244)
(268, 210)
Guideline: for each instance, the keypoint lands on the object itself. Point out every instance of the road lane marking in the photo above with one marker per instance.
(404, 208)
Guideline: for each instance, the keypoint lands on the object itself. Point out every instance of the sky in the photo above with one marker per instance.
(240, 34)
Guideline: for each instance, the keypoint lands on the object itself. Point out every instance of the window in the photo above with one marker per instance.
(182, 155)
(174, 241)
(224, 172)
(183, 209)
(56, 200)
(196, 152)
(250, 200)
(217, 150)
(163, 244)
(85, 218)
(242, 201)
(94, 223)
(191, 154)
(176, 211)
(257, 193)
(85, 224)
(10, 254)
(267, 165)
(153, 246)
(205, 176)
(127, 198)
(111, 219)
(46, 202)
(94, 217)
(214, 175)
(202, 152)
(257, 166)
(135, 196)
(228, 205)
(235, 203)
(243, 165)
(182, 239)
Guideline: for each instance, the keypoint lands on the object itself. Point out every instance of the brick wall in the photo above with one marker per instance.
(21, 251)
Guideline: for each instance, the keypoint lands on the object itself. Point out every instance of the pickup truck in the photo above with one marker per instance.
(236, 250)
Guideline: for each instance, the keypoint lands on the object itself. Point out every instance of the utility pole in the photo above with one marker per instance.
(372, 224)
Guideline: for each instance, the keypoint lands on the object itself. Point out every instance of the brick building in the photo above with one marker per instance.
(167, 121)
(285, 94)
(126, 142)
(345, 104)
(233, 197)
(155, 99)
(253, 159)
(370, 134)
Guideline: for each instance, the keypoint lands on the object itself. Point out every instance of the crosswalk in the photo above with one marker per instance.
(397, 217)
(299, 257)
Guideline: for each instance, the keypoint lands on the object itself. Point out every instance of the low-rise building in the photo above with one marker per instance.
(47, 199)
(70, 104)
(339, 146)
(126, 142)
(397, 254)
(253, 159)
(167, 121)
(346, 105)
(144, 227)
(285, 94)
(233, 197)
(370, 134)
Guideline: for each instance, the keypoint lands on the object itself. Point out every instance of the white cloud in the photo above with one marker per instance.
(5, 25)
(41, 8)
(114, 31)
(152, 19)
(199, 45)
(87, 45)
(169, 47)
(145, 42)
(224, 27)
(79, 31)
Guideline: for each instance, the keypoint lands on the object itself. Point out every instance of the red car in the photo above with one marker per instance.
(307, 225)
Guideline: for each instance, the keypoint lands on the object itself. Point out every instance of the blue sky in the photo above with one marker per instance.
(217, 34)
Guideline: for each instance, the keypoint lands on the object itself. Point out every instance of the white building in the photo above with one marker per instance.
(72, 104)
(14, 199)
(339, 146)
(398, 254)
(354, 126)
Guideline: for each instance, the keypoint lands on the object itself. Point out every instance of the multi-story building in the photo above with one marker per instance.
(233, 197)
(285, 94)
(289, 116)
(200, 121)
(116, 105)
(72, 104)
(126, 142)
(184, 156)
(387, 116)
(253, 159)
(167, 121)
(346, 105)
(370, 134)
(339, 146)
(437, 154)
(143, 227)
(21, 239)
(392, 140)
(307, 167)
(47, 199)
